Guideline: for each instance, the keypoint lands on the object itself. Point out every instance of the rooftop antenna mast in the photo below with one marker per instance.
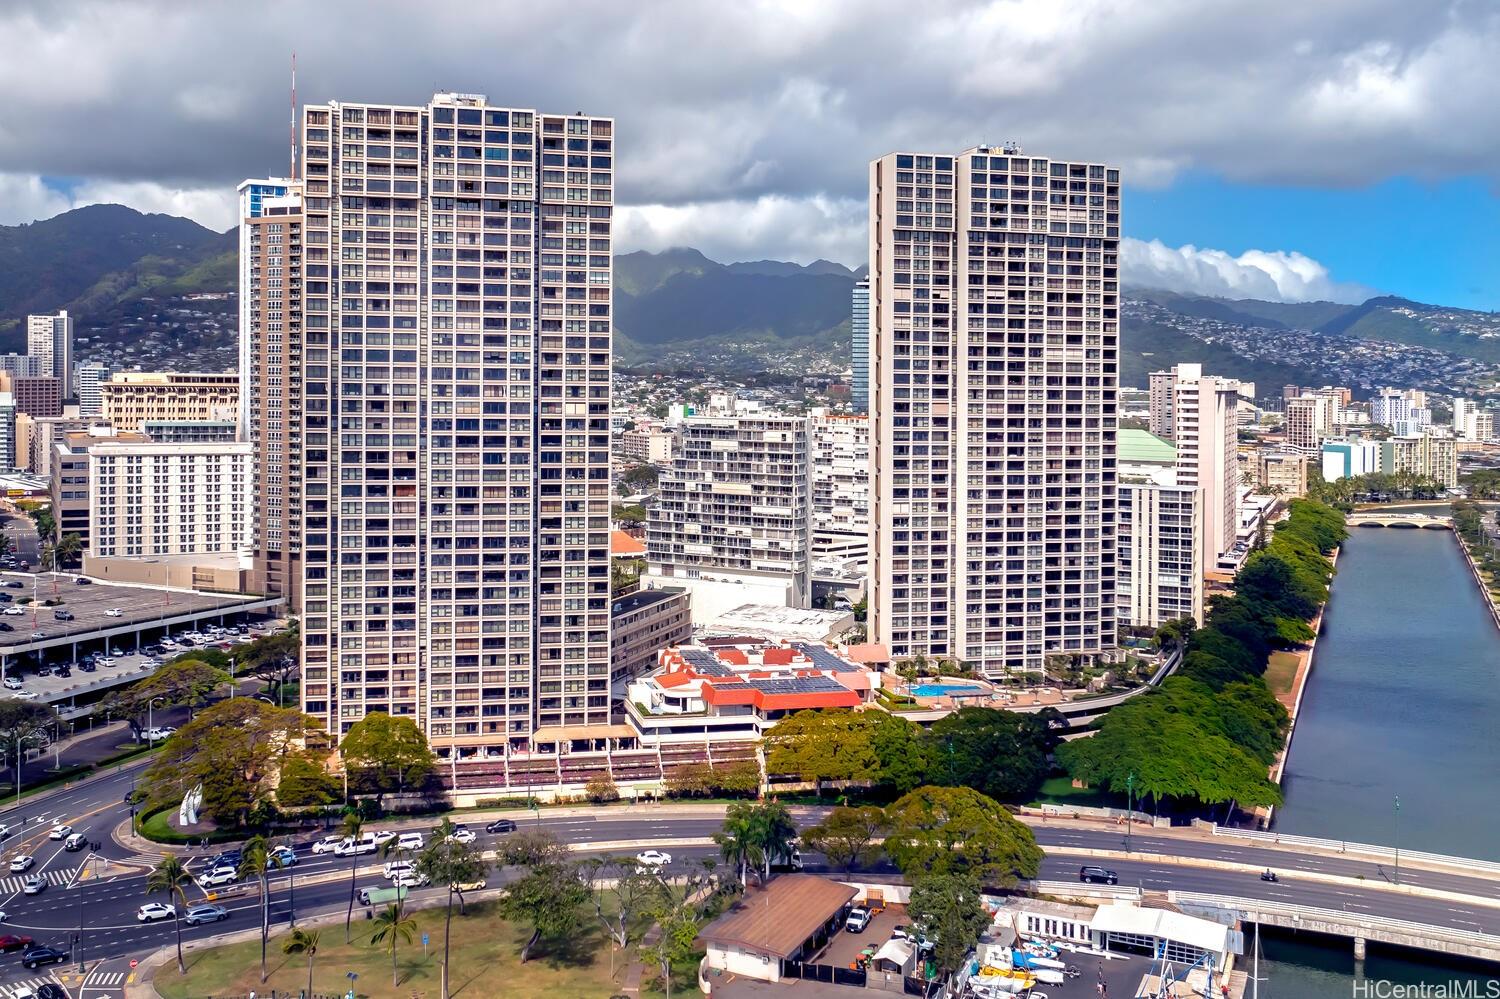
(292, 121)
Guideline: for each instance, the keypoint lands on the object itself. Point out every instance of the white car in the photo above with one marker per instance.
(396, 869)
(14, 611)
(382, 837)
(158, 734)
(462, 835)
(104, 661)
(410, 841)
(33, 885)
(11, 683)
(60, 831)
(25, 695)
(152, 911)
(409, 879)
(859, 918)
(114, 612)
(349, 847)
(218, 876)
(327, 844)
(653, 858)
(21, 864)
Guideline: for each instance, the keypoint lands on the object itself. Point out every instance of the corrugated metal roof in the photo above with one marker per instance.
(1144, 447)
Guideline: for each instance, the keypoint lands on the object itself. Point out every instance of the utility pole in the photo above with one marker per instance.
(1398, 839)
(1129, 807)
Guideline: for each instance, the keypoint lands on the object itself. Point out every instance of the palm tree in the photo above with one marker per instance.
(68, 548)
(255, 861)
(775, 832)
(170, 876)
(390, 926)
(449, 863)
(352, 828)
(303, 942)
(737, 840)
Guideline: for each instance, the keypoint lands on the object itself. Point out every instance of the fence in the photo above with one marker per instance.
(826, 973)
(1353, 920)
(1382, 853)
(1079, 889)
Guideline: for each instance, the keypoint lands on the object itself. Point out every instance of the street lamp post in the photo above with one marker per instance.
(1129, 807)
(1398, 839)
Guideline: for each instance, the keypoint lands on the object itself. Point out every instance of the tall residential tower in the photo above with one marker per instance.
(456, 405)
(994, 318)
(50, 338)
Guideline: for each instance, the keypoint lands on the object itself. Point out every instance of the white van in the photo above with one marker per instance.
(353, 847)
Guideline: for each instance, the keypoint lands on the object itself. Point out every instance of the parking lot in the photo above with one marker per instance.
(844, 947)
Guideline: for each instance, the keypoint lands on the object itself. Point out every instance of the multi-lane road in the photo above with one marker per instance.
(100, 911)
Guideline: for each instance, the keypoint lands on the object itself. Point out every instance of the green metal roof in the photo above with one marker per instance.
(1141, 447)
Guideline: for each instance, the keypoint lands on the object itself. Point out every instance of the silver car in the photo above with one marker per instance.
(199, 914)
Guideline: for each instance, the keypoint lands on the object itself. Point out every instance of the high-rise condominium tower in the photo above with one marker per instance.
(456, 404)
(859, 321)
(270, 383)
(51, 339)
(994, 323)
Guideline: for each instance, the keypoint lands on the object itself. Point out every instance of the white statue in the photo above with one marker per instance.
(187, 813)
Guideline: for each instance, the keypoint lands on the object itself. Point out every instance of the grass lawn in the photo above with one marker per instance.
(1060, 791)
(486, 962)
(1280, 672)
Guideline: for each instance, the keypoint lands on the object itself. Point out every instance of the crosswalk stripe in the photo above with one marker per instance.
(14, 884)
(104, 979)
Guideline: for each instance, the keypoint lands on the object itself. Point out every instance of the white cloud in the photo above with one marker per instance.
(24, 198)
(1273, 275)
(802, 229)
(27, 197)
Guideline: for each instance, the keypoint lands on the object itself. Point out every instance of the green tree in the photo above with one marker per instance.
(901, 750)
(305, 782)
(957, 830)
(384, 753)
(601, 790)
(530, 848)
(738, 839)
(549, 898)
(775, 833)
(819, 746)
(67, 549)
(23, 726)
(255, 862)
(391, 926)
(679, 930)
(1002, 754)
(847, 836)
(234, 749)
(169, 875)
(185, 682)
(621, 890)
(450, 863)
(949, 911)
(303, 942)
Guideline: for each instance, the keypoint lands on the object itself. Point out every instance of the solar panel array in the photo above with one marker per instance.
(823, 658)
(704, 663)
(800, 685)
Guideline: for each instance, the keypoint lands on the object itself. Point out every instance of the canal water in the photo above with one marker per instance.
(1403, 700)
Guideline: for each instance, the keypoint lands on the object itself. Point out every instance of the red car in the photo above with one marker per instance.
(11, 942)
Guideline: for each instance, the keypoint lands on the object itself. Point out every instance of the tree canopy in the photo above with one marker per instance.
(384, 753)
(1001, 754)
(185, 682)
(957, 830)
(948, 910)
(235, 749)
(824, 746)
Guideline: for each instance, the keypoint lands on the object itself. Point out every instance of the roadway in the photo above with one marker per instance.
(105, 906)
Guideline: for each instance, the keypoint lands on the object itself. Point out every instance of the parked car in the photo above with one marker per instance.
(158, 734)
(6, 627)
(62, 614)
(88, 666)
(83, 581)
(114, 612)
(501, 826)
(153, 911)
(11, 683)
(38, 956)
(1098, 875)
(14, 584)
(14, 611)
(199, 914)
(859, 919)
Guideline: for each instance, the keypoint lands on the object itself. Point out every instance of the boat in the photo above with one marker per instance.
(1049, 976)
(1032, 961)
(1004, 979)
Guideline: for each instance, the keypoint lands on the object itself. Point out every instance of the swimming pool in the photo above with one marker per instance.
(942, 689)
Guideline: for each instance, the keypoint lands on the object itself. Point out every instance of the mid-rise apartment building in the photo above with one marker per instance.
(24, 365)
(840, 481)
(90, 378)
(8, 416)
(1198, 412)
(994, 317)
(270, 377)
(1281, 473)
(41, 396)
(152, 499)
(130, 398)
(1403, 410)
(643, 623)
(1160, 553)
(1433, 456)
(70, 465)
(49, 338)
(36, 440)
(1306, 421)
(859, 323)
(1471, 421)
(732, 521)
(455, 406)
(1349, 458)
(650, 444)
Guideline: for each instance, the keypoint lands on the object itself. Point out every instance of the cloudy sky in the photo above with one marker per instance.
(1277, 149)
